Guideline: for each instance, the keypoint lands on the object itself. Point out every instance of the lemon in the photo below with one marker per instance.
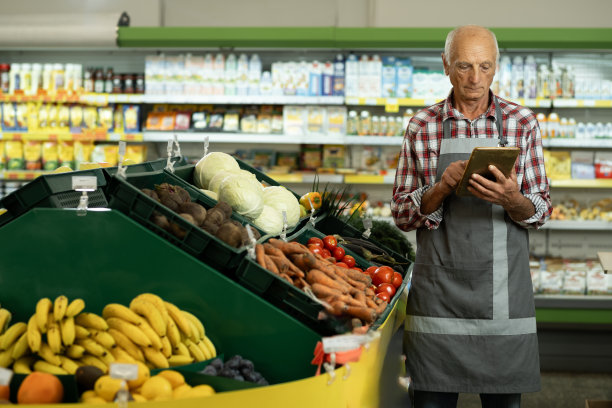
(143, 375)
(95, 400)
(201, 390)
(88, 394)
(87, 166)
(178, 391)
(138, 398)
(62, 169)
(173, 376)
(157, 388)
(128, 162)
(106, 387)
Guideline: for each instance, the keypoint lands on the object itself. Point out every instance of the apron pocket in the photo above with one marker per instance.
(440, 291)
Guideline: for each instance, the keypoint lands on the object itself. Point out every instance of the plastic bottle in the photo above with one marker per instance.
(77, 77)
(375, 130)
(265, 84)
(36, 78)
(5, 78)
(338, 82)
(230, 74)
(553, 125)
(352, 123)
(108, 80)
(327, 79)
(68, 75)
(207, 75)
(14, 78)
(26, 78)
(98, 80)
(58, 78)
(365, 123)
(218, 83)
(352, 76)
(88, 80)
(47, 82)
(543, 87)
(242, 84)
(314, 79)
(254, 74)
(541, 118)
(517, 84)
(530, 75)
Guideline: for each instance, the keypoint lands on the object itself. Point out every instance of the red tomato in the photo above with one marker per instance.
(342, 264)
(386, 287)
(330, 242)
(384, 296)
(349, 260)
(338, 253)
(370, 271)
(315, 241)
(397, 279)
(315, 249)
(325, 253)
(384, 274)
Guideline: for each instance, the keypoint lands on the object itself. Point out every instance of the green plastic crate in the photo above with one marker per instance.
(146, 166)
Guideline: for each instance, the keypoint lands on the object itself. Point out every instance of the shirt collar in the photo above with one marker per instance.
(449, 112)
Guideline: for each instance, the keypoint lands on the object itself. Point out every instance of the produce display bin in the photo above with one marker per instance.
(125, 196)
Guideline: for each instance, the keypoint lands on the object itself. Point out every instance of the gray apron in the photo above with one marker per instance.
(470, 324)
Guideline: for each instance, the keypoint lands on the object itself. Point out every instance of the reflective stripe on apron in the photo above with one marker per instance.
(470, 324)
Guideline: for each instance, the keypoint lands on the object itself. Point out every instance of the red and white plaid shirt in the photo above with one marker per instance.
(416, 170)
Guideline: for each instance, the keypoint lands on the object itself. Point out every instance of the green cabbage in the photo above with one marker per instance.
(210, 165)
(270, 220)
(279, 198)
(243, 194)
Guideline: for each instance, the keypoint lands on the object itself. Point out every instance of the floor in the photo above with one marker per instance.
(559, 389)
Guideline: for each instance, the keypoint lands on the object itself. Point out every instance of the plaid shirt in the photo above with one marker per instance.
(417, 166)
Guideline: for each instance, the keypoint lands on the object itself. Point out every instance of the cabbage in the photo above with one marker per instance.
(218, 178)
(243, 194)
(279, 198)
(270, 220)
(210, 165)
(209, 193)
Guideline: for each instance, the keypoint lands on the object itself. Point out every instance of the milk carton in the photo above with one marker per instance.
(327, 78)
(363, 76)
(404, 78)
(338, 80)
(517, 80)
(530, 77)
(389, 77)
(351, 76)
(375, 76)
(314, 79)
(505, 77)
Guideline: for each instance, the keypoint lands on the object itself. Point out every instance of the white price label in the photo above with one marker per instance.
(5, 376)
(367, 223)
(206, 144)
(346, 342)
(124, 371)
(84, 183)
(122, 145)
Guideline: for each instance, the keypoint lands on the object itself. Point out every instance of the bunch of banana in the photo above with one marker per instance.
(156, 333)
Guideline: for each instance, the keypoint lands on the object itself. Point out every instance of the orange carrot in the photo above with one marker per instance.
(317, 276)
(365, 314)
(259, 255)
(270, 265)
(381, 308)
(358, 276)
(288, 247)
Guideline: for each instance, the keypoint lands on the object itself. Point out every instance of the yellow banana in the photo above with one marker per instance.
(195, 351)
(181, 350)
(68, 330)
(130, 330)
(48, 355)
(181, 321)
(107, 358)
(126, 344)
(156, 358)
(120, 311)
(11, 335)
(178, 360)
(59, 307)
(94, 361)
(197, 322)
(21, 347)
(166, 347)
(153, 316)
(173, 333)
(23, 365)
(43, 307)
(5, 319)
(69, 365)
(47, 367)
(92, 347)
(104, 338)
(122, 356)
(54, 337)
(81, 332)
(158, 302)
(91, 321)
(151, 334)
(34, 336)
(207, 353)
(6, 356)
(75, 351)
(210, 346)
(75, 307)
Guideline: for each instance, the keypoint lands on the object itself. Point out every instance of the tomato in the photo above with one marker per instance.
(342, 264)
(397, 279)
(338, 253)
(325, 253)
(384, 296)
(315, 241)
(386, 287)
(370, 271)
(330, 242)
(349, 260)
(315, 249)
(384, 274)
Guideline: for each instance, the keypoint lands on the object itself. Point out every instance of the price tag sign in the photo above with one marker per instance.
(367, 226)
(124, 371)
(346, 342)
(206, 144)
(283, 233)
(177, 150)
(84, 183)
(5, 376)
(391, 105)
(169, 165)
(312, 211)
(252, 242)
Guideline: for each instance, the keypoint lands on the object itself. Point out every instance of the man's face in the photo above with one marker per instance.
(472, 66)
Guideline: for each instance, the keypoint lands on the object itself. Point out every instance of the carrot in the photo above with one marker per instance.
(358, 276)
(272, 250)
(370, 302)
(288, 247)
(316, 276)
(270, 265)
(381, 308)
(286, 277)
(304, 261)
(361, 297)
(330, 295)
(365, 314)
(259, 255)
(340, 272)
(370, 292)
(301, 283)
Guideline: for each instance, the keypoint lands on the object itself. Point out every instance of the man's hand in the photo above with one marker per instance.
(504, 191)
(434, 197)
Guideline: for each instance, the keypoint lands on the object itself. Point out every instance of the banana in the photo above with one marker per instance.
(173, 333)
(5, 319)
(34, 336)
(47, 367)
(54, 337)
(68, 330)
(207, 353)
(94, 361)
(75, 307)
(151, 334)
(166, 347)
(181, 350)
(69, 365)
(104, 338)
(195, 351)
(91, 321)
(178, 360)
(122, 356)
(107, 358)
(11, 335)
(158, 302)
(43, 307)
(48, 355)
(131, 331)
(181, 321)
(75, 351)
(81, 332)
(126, 344)
(197, 322)
(92, 347)
(6, 356)
(122, 312)
(153, 316)
(23, 365)
(156, 358)
(59, 307)
(21, 347)
(209, 344)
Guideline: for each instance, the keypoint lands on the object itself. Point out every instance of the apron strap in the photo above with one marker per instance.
(498, 122)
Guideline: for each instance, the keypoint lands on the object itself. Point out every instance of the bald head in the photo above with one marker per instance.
(468, 32)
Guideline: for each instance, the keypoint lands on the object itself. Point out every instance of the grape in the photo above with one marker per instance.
(228, 372)
(238, 377)
(234, 362)
(209, 370)
(217, 363)
(251, 377)
(248, 364)
(262, 381)
(246, 370)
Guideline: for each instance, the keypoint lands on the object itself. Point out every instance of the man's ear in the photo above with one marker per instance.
(444, 63)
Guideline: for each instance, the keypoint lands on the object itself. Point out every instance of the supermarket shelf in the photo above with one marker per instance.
(573, 309)
(239, 100)
(578, 143)
(68, 136)
(21, 175)
(582, 103)
(374, 140)
(578, 225)
(369, 101)
(333, 178)
(578, 183)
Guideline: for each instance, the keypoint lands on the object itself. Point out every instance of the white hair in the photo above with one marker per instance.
(450, 38)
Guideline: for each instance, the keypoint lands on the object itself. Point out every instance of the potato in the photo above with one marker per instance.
(197, 211)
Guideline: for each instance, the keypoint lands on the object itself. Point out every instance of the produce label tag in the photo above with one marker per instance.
(283, 234)
(169, 164)
(252, 242)
(367, 225)
(84, 183)
(343, 342)
(122, 148)
(177, 151)
(206, 143)
(124, 371)
(5, 376)
(312, 211)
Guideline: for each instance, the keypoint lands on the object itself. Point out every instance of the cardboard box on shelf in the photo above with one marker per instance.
(598, 404)
(605, 258)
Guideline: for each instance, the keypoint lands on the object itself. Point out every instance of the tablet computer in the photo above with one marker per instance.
(501, 157)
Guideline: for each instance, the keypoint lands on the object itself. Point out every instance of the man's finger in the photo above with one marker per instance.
(499, 176)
